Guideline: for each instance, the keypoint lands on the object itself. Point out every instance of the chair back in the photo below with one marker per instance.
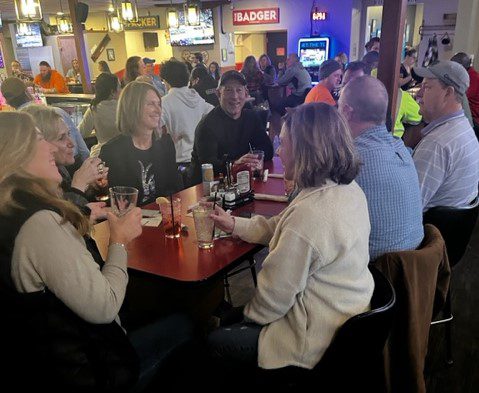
(456, 226)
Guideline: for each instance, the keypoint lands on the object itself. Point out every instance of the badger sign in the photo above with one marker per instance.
(256, 17)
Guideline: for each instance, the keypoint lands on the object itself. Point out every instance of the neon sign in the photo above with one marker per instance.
(319, 15)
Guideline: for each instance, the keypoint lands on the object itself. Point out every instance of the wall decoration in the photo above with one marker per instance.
(110, 54)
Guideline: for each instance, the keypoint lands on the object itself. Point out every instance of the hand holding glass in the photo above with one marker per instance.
(258, 168)
(204, 225)
(123, 199)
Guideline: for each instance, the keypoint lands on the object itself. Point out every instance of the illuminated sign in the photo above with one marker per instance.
(319, 15)
(256, 17)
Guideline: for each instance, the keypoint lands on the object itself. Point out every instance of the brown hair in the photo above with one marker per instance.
(321, 144)
(132, 69)
(46, 119)
(18, 141)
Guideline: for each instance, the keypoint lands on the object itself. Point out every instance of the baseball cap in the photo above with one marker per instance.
(13, 87)
(328, 67)
(449, 72)
(147, 60)
(232, 75)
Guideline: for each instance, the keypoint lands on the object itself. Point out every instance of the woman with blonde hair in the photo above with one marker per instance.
(316, 274)
(140, 157)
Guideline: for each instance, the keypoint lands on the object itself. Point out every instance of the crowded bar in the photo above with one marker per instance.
(239, 195)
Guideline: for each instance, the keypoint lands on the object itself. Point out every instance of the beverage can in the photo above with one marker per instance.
(207, 172)
(243, 182)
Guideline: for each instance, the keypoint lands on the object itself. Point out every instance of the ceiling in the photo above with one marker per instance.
(51, 7)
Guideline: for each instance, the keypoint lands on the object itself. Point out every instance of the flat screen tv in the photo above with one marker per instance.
(313, 51)
(186, 35)
(31, 39)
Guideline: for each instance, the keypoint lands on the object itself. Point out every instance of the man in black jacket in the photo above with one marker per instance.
(229, 131)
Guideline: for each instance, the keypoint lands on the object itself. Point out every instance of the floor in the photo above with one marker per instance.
(463, 375)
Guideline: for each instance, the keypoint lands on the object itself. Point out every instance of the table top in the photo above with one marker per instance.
(181, 259)
(69, 97)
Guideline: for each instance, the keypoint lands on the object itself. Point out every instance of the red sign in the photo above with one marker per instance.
(256, 17)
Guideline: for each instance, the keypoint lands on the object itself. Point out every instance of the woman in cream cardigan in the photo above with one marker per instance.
(316, 274)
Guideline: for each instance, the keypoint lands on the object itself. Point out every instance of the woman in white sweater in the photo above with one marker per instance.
(316, 274)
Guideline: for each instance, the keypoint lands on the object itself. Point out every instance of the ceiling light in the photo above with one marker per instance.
(28, 10)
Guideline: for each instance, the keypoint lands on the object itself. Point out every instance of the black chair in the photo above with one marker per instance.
(251, 266)
(456, 226)
(354, 361)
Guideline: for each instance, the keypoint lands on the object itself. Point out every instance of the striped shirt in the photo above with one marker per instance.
(389, 180)
(447, 162)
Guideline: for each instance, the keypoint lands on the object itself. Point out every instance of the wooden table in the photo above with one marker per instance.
(181, 259)
(54, 98)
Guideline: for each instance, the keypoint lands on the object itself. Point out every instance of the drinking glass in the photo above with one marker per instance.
(102, 190)
(123, 199)
(258, 170)
(204, 225)
(171, 218)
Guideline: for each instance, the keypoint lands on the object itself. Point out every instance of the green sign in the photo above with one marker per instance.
(144, 22)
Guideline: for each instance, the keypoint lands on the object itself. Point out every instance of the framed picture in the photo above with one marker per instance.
(110, 54)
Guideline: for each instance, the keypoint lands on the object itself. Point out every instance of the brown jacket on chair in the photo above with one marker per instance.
(421, 280)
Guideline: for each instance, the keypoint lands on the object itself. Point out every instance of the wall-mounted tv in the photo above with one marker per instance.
(31, 38)
(186, 35)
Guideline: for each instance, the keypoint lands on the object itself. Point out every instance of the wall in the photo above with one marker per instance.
(135, 45)
(295, 19)
(251, 44)
(92, 39)
(467, 31)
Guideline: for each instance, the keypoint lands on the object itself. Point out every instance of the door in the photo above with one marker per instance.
(68, 52)
(277, 47)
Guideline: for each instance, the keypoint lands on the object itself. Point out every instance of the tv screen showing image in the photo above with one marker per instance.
(186, 35)
(31, 38)
(313, 51)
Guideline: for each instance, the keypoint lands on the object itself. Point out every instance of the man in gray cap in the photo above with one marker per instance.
(330, 74)
(447, 158)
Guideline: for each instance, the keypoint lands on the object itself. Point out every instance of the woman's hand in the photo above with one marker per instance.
(91, 170)
(250, 159)
(98, 211)
(126, 228)
(223, 220)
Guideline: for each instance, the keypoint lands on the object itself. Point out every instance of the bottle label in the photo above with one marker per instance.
(243, 182)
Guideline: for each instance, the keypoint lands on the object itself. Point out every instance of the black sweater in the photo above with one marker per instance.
(218, 135)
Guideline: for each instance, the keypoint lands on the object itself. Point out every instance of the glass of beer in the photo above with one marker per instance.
(171, 217)
(204, 225)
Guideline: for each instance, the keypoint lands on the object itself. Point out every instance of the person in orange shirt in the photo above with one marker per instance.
(51, 81)
(330, 74)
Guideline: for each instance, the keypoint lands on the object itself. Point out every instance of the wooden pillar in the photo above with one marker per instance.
(392, 33)
(82, 54)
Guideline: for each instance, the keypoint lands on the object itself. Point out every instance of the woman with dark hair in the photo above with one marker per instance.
(407, 76)
(268, 69)
(214, 71)
(101, 115)
(103, 67)
(133, 69)
(316, 275)
(140, 157)
(254, 78)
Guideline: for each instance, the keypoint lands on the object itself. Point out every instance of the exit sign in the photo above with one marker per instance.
(319, 15)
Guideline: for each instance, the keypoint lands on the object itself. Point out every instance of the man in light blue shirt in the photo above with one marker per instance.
(387, 176)
(447, 157)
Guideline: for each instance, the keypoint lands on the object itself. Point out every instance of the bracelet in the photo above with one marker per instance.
(118, 244)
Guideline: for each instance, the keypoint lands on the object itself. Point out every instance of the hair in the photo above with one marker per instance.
(217, 70)
(18, 142)
(45, 63)
(46, 119)
(200, 73)
(132, 68)
(103, 66)
(368, 97)
(175, 73)
(105, 85)
(321, 144)
(357, 66)
(371, 60)
(342, 58)
(131, 104)
(198, 56)
(410, 52)
(250, 66)
(16, 61)
(264, 56)
(371, 42)
(462, 58)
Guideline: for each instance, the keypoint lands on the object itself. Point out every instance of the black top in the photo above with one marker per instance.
(413, 82)
(206, 88)
(218, 135)
(122, 158)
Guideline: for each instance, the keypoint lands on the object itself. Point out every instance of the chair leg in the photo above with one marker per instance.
(227, 290)
(448, 331)
(252, 266)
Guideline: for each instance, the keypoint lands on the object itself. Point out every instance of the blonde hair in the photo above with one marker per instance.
(321, 144)
(131, 104)
(46, 119)
(18, 142)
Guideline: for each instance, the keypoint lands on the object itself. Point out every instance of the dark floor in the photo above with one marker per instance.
(463, 375)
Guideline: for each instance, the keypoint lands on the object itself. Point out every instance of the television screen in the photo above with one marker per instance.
(313, 51)
(186, 35)
(29, 38)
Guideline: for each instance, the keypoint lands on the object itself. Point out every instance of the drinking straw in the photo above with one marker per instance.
(214, 206)
(172, 213)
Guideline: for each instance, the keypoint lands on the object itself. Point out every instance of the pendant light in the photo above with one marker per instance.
(172, 17)
(192, 13)
(114, 22)
(64, 23)
(28, 10)
(128, 11)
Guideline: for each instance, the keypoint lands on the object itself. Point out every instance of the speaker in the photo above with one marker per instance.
(150, 40)
(82, 12)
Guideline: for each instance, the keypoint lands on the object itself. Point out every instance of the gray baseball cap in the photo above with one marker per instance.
(449, 72)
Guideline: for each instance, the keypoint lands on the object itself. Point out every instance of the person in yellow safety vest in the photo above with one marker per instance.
(408, 112)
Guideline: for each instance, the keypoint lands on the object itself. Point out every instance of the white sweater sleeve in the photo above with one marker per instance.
(257, 230)
(48, 254)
